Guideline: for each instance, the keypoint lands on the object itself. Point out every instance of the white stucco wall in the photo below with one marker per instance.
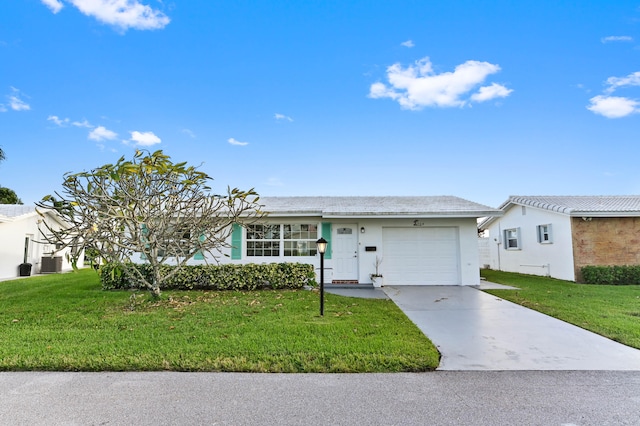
(12, 242)
(372, 237)
(468, 247)
(548, 259)
(484, 252)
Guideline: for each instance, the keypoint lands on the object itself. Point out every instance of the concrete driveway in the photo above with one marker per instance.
(477, 331)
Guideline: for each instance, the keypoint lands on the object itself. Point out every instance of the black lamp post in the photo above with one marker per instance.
(321, 244)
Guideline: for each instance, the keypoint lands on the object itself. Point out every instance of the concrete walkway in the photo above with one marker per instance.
(477, 331)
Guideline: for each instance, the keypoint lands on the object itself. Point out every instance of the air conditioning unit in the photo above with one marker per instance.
(51, 264)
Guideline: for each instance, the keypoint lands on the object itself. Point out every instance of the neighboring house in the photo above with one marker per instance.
(416, 240)
(21, 242)
(557, 235)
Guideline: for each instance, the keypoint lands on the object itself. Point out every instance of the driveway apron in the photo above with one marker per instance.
(477, 331)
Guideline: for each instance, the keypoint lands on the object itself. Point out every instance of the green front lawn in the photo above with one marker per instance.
(66, 322)
(611, 311)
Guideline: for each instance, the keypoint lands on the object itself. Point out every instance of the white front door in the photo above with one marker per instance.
(345, 252)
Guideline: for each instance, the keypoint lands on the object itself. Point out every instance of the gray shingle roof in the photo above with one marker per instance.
(15, 210)
(389, 206)
(596, 205)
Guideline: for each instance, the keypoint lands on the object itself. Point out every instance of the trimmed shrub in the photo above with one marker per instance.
(215, 277)
(611, 275)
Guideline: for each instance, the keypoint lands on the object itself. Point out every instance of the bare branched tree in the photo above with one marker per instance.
(148, 207)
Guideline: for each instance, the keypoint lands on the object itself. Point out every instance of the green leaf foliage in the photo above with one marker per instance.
(611, 275)
(147, 207)
(213, 277)
(8, 196)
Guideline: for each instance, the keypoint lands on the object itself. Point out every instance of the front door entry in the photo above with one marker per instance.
(345, 253)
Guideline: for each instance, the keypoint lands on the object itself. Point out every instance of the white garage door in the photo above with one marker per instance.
(421, 256)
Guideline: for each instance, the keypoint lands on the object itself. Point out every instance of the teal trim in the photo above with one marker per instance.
(326, 234)
(145, 232)
(199, 255)
(236, 242)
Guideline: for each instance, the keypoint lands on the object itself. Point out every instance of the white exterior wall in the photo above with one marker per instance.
(468, 246)
(484, 252)
(372, 237)
(12, 241)
(553, 259)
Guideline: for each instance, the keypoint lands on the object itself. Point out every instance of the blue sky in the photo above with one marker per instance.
(480, 100)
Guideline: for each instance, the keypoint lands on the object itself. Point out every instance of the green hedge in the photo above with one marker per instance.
(611, 275)
(217, 277)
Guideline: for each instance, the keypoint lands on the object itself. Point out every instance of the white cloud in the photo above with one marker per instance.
(18, 104)
(408, 43)
(232, 141)
(418, 85)
(123, 14)
(282, 117)
(616, 106)
(15, 103)
(83, 123)
(613, 106)
(64, 122)
(274, 181)
(54, 5)
(486, 93)
(144, 138)
(189, 132)
(615, 38)
(101, 133)
(58, 121)
(616, 82)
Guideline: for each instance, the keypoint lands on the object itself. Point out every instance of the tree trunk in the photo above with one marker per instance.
(155, 284)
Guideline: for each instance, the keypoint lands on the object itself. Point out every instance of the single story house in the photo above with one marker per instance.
(557, 235)
(21, 242)
(430, 240)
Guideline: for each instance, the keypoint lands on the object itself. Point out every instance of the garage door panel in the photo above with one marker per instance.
(422, 256)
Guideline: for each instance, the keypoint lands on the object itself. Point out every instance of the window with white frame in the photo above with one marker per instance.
(263, 240)
(297, 239)
(300, 239)
(512, 239)
(544, 234)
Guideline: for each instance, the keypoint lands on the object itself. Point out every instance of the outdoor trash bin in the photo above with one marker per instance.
(25, 269)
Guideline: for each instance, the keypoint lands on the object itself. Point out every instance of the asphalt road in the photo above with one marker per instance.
(437, 398)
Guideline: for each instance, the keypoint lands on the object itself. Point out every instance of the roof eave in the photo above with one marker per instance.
(293, 214)
(577, 213)
(386, 215)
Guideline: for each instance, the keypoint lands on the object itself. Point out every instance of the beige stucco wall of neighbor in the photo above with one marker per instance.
(605, 241)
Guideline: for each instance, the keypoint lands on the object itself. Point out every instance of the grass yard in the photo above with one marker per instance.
(611, 311)
(65, 322)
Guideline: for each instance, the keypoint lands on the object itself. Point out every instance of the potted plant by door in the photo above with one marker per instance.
(376, 277)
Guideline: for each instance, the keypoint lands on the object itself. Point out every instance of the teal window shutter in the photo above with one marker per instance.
(326, 234)
(199, 255)
(145, 232)
(236, 242)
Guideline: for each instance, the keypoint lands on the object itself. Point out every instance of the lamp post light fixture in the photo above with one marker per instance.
(321, 244)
